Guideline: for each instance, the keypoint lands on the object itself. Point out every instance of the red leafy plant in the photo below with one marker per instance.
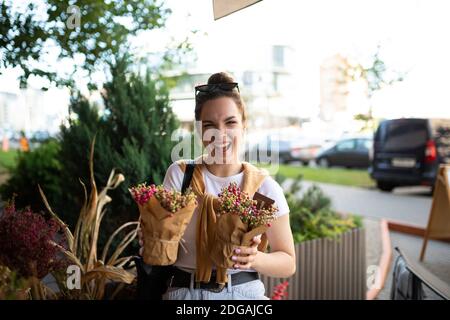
(29, 242)
(279, 292)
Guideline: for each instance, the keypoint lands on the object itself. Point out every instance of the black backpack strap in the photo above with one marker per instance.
(188, 173)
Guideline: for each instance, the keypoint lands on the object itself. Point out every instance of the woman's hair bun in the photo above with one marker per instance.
(216, 78)
(220, 77)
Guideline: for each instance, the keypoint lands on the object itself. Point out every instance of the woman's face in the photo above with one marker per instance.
(222, 129)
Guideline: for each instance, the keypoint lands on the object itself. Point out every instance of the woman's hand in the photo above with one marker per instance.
(245, 257)
(141, 241)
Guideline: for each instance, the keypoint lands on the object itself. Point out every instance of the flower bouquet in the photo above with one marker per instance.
(164, 216)
(239, 219)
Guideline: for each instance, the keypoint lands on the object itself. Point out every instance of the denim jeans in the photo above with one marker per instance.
(252, 290)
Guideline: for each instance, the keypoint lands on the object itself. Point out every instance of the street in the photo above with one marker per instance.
(410, 205)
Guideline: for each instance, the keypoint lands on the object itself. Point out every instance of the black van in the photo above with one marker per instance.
(408, 152)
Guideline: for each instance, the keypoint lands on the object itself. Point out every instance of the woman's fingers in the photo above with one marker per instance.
(242, 259)
(249, 250)
(245, 256)
(246, 250)
(256, 241)
(243, 266)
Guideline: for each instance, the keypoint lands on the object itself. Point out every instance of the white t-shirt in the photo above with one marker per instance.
(213, 185)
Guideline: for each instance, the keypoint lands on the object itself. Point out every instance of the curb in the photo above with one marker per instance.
(406, 228)
(386, 256)
(411, 229)
(384, 263)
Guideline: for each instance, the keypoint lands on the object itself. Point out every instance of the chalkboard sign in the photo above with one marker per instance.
(439, 220)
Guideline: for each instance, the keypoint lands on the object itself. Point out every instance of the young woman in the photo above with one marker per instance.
(222, 116)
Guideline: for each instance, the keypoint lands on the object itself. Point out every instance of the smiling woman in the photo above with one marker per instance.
(221, 121)
(221, 112)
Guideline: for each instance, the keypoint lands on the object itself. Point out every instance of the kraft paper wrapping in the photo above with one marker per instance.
(161, 232)
(230, 233)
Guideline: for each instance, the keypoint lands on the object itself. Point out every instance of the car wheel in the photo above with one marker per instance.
(385, 186)
(305, 163)
(323, 162)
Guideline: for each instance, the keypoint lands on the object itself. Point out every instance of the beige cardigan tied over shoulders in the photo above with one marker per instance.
(252, 180)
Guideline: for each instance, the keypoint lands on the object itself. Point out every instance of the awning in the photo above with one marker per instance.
(223, 8)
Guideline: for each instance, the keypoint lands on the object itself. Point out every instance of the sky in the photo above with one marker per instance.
(413, 35)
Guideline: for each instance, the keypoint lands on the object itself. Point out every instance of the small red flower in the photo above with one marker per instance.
(235, 201)
(171, 200)
(280, 291)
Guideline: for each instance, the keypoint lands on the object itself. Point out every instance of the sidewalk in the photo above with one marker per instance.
(437, 260)
(437, 257)
(373, 241)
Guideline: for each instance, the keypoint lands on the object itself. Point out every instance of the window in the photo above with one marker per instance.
(404, 135)
(278, 56)
(247, 78)
(364, 144)
(345, 145)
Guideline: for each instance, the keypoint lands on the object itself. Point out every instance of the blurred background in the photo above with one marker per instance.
(354, 94)
(313, 72)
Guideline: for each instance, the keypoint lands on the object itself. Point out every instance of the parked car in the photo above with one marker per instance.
(350, 153)
(289, 150)
(40, 136)
(408, 152)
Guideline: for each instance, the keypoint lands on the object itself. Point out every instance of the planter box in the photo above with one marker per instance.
(327, 269)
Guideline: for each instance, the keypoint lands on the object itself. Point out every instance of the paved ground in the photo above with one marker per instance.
(373, 241)
(437, 260)
(410, 205)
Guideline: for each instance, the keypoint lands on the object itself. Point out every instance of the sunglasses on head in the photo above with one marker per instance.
(208, 88)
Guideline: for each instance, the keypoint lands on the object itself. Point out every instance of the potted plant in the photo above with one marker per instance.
(330, 248)
(46, 246)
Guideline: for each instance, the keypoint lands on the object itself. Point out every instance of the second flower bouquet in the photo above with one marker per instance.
(164, 216)
(239, 219)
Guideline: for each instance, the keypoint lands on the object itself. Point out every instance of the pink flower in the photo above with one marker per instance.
(235, 201)
(171, 200)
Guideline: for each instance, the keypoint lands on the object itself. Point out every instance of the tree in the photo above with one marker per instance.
(95, 30)
(377, 76)
(133, 136)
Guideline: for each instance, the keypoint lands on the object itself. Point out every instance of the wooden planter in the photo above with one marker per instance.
(327, 269)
